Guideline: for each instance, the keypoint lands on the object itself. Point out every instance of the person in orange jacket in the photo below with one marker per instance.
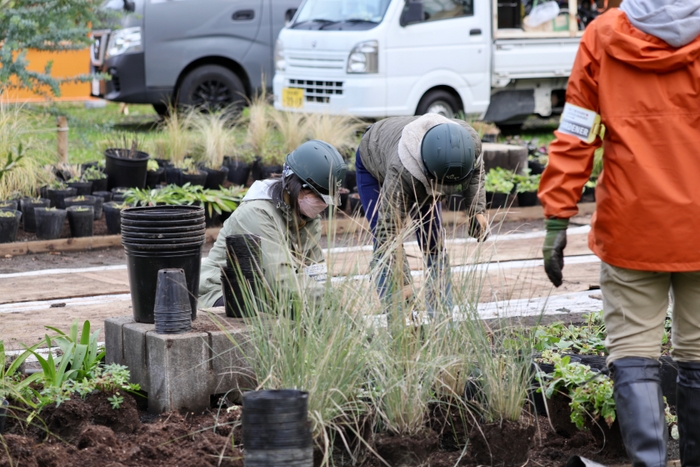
(637, 72)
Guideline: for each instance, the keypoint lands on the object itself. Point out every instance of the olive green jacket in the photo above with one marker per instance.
(287, 247)
(400, 190)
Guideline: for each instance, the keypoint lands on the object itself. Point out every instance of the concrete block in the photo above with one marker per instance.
(113, 339)
(136, 352)
(230, 354)
(179, 371)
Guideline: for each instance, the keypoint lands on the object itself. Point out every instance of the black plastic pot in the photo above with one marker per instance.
(57, 197)
(238, 172)
(9, 227)
(165, 223)
(164, 163)
(80, 219)
(455, 202)
(158, 214)
(193, 179)
(172, 312)
(105, 195)
(163, 232)
(4, 403)
(49, 222)
(496, 200)
(112, 217)
(215, 178)
(126, 168)
(28, 206)
(269, 170)
(9, 205)
(528, 198)
(88, 200)
(536, 168)
(44, 192)
(118, 193)
(84, 188)
(154, 177)
(350, 181)
(99, 184)
(276, 430)
(173, 176)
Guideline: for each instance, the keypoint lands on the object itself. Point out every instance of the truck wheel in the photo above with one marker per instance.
(211, 88)
(438, 102)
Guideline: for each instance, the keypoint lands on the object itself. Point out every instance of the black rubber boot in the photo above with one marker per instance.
(640, 410)
(688, 410)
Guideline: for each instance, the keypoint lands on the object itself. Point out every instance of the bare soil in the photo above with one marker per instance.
(90, 433)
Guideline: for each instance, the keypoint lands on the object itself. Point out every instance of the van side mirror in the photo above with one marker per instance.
(412, 13)
(289, 14)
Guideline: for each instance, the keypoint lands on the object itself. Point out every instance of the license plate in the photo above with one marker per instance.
(95, 87)
(293, 97)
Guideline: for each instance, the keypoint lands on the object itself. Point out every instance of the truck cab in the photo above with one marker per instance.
(380, 58)
(205, 53)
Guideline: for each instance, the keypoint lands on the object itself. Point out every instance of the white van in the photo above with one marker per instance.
(379, 58)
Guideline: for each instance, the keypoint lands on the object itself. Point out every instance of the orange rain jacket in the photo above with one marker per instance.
(648, 195)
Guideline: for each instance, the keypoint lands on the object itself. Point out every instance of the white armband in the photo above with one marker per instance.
(579, 122)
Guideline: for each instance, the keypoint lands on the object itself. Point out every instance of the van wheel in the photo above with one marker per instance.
(162, 110)
(211, 88)
(439, 102)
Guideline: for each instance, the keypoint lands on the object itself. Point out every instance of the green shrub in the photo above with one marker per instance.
(499, 180)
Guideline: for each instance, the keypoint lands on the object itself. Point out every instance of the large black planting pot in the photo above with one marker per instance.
(28, 206)
(9, 226)
(496, 200)
(57, 197)
(161, 237)
(113, 217)
(126, 168)
(80, 201)
(198, 178)
(215, 178)
(49, 222)
(238, 172)
(9, 205)
(276, 430)
(154, 177)
(80, 219)
(99, 184)
(527, 198)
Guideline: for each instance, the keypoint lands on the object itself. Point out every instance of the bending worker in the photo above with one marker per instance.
(402, 164)
(638, 71)
(284, 213)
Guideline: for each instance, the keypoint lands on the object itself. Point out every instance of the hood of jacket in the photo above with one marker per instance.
(259, 190)
(642, 33)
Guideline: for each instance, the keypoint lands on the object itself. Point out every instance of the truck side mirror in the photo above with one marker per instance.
(289, 14)
(412, 13)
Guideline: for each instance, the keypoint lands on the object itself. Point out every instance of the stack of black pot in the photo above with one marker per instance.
(172, 312)
(161, 237)
(276, 430)
(241, 278)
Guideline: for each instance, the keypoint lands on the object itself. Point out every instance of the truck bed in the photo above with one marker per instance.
(533, 58)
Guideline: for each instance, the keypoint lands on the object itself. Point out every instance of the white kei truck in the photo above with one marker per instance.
(380, 58)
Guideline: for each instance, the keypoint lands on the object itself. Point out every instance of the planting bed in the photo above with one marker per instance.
(90, 433)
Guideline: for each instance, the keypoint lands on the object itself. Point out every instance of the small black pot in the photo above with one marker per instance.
(74, 201)
(455, 202)
(350, 181)
(535, 167)
(496, 200)
(118, 194)
(99, 202)
(113, 218)
(173, 176)
(154, 177)
(238, 172)
(49, 222)
(256, 169)
(193, 179)
(105, 195)
(8, 229)
(44, 192)
(28, 206)
(528, 198)
(9, 205)
(84, 188)
(58, 197)
(215, 178)
(99, 184)
(80, 219)
(269, 170)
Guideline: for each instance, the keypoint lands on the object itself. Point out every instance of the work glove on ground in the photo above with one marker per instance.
(479, 227)
(553, 249)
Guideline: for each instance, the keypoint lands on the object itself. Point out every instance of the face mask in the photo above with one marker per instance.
(311, 205)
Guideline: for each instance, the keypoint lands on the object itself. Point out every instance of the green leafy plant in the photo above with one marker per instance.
(152, 165)
(588, 339)
(116, 401)
(527, 183)
(93, 173)
(84, 348)
(81, 208)
(11, 382)
(7, 214)
(79, 198)
(214, 201)
(109, 379)
(11, 160)
(591, 393)
(499, 180)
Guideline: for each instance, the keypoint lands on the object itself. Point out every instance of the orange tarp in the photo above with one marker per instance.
(65, 64)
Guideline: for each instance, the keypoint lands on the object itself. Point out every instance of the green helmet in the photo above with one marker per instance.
(447, 151)
(320, 166)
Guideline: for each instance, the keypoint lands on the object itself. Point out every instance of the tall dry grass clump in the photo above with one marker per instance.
(177, 137)
(338, 130)
(293, 128)
(214, 136)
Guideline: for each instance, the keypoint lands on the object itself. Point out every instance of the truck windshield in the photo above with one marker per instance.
(326, 12)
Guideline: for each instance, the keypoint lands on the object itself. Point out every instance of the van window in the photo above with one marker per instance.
(436, 10)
